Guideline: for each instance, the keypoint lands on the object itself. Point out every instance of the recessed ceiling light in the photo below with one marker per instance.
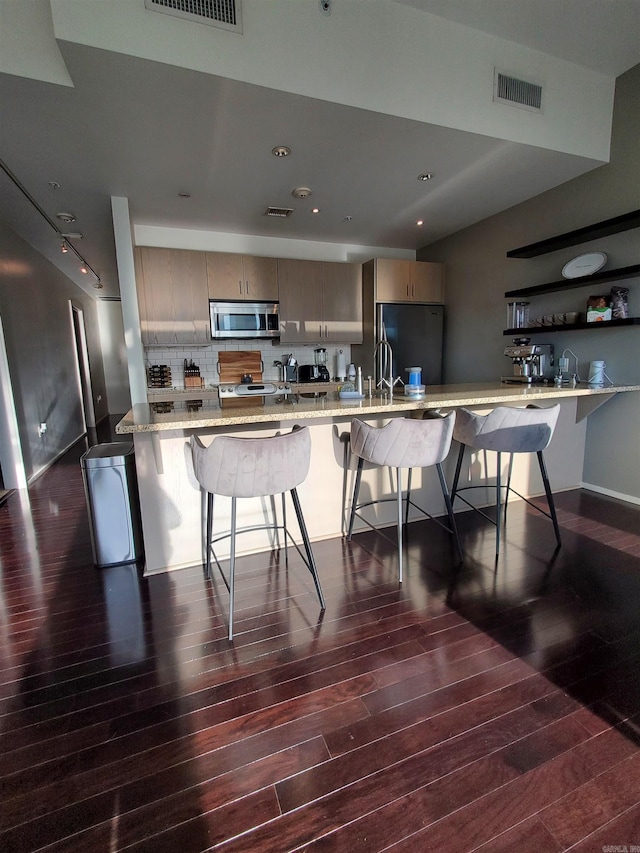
(184, 195)
(315, 210)
(54, 185)
(66, 217)
(281, 151)
(347, 218)
(425, 176)
(420, 222)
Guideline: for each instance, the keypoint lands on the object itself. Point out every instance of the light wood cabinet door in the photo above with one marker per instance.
(408, 281)
(225, 277)
(427, 282)
(342, 303)
(300, 291)
(260, 278)
(175, 296)
(393, 280)
(232, 276)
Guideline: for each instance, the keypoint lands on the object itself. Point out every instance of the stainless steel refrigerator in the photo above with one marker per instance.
(415, 333)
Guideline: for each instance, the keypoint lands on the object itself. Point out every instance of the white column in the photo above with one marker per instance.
(126, 273)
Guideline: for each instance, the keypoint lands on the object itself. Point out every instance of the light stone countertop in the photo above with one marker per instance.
(144, 417)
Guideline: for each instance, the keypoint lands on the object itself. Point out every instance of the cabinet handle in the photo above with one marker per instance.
(326, 331)
(407, 291)
(320, 330)
(246, 284)
(240, 287)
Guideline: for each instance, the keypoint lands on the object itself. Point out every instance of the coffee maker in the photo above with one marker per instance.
(531, 362)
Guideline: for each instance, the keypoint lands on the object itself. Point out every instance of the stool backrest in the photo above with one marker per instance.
(252, 467)
(507, 429)
(403, 442)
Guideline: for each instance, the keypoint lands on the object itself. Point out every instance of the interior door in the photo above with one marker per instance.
(84, 373)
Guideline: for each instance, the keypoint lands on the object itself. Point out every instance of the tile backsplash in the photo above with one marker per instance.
(207, 358)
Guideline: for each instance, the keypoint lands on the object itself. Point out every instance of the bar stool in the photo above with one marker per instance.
(507, 430)
(251, 468)
(403, 443)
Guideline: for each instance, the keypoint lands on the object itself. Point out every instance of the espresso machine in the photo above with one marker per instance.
(531, 362)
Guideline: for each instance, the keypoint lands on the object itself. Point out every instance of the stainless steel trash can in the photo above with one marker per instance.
(111, 488)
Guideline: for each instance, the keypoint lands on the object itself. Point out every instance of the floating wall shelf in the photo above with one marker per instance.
(571, 327)
(580, 235)
(582, 281)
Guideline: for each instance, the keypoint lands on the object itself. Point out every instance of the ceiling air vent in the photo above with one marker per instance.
(517, 93)
(226, 14)
(278, 211)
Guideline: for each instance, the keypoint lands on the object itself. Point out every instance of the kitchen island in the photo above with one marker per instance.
(172, 505)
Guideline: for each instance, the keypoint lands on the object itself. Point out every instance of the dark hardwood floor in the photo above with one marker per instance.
(467, 710)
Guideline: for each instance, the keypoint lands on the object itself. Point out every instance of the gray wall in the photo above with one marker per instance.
(34, 306)
(478, 274)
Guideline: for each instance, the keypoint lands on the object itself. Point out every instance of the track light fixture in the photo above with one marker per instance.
(65, 246)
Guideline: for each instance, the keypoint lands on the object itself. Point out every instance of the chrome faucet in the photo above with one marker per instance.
(387, 356)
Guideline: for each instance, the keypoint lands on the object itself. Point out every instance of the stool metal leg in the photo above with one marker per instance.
(550, 501)
(307, 546)
(232, 566)
(406, 511)
(354, 500)
(498, 496)
(209, 533)
(284, 525)
(456, 476)
(399, 489)
(508, 489)
(449, 506)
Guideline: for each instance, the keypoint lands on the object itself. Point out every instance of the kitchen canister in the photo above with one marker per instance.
(517, 315)
(596, 373)
(415, 375)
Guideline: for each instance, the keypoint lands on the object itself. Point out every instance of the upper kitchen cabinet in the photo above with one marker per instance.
(172, 296)
(244, 277)
(300, 290)
(408, 281)
(320, 302)
(342, 303)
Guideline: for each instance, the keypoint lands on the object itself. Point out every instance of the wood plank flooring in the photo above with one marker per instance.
(469, 709)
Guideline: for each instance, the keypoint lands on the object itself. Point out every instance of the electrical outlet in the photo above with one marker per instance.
(42, 429)
(99, 398)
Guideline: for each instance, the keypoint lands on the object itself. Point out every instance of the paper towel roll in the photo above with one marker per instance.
(341, 365)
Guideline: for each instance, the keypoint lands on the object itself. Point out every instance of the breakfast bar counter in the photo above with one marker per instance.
(173, 507)
(307, 405)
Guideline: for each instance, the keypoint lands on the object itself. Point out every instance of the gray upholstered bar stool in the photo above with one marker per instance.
(251, 468)
(507, 430)
(403, 443)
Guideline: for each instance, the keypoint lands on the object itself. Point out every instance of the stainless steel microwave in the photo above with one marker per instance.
(244, 319)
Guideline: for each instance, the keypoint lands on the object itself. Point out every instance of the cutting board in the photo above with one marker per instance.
(232, 365)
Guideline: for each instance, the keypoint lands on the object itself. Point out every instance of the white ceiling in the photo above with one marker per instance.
(599, 34)
(126, 129)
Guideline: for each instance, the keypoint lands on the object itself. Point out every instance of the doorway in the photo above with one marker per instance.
(82, 362)
(11, 463)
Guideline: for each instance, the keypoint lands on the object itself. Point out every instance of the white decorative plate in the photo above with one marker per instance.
(584, 265)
